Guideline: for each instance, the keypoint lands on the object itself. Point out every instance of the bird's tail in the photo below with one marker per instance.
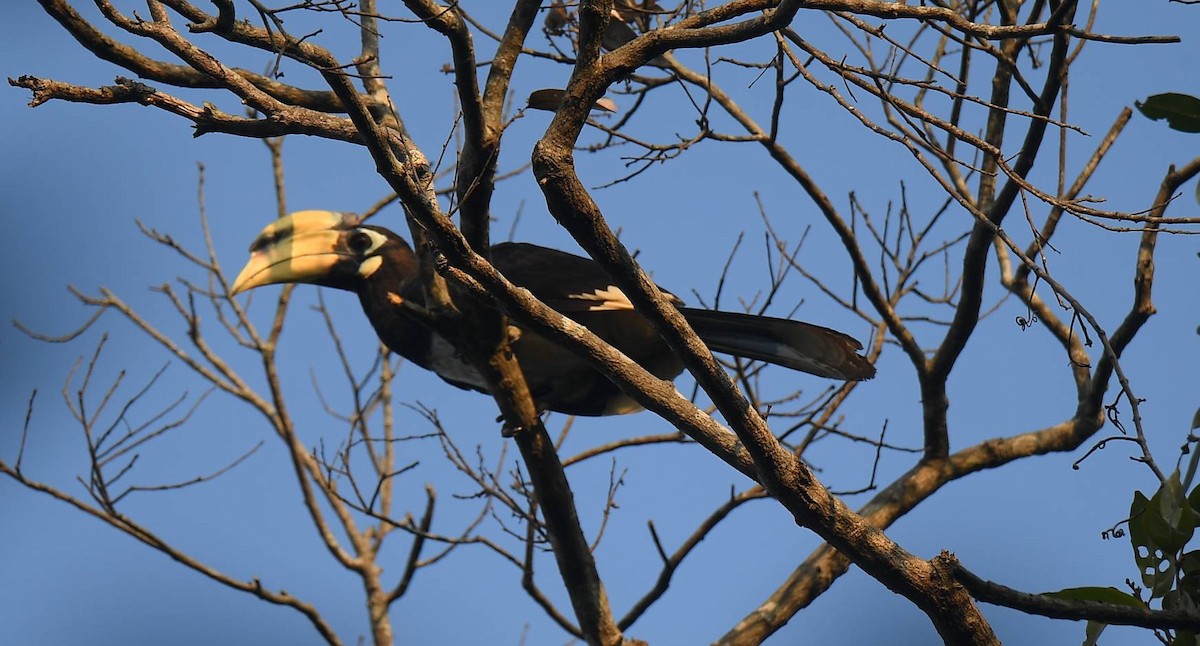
(792, 344)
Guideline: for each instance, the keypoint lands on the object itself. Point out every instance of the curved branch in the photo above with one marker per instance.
(826, 564)
(128, 526)
(1042, 605)
(785, 477)
(975, 257)
(207, 119)
(1143, 281)
(105, 48)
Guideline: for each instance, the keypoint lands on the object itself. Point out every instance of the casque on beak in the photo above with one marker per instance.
(300, 248)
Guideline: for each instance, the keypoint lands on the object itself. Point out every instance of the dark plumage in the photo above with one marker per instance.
(326, 248)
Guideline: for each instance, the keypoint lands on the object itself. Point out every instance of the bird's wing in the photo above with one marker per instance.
(564, 281)
(580, 289)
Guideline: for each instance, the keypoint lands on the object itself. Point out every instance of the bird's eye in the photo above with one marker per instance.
(360, 242)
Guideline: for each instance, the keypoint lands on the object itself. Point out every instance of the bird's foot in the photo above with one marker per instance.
(508, 429)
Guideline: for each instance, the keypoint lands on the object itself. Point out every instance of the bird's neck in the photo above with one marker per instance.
(383, 295)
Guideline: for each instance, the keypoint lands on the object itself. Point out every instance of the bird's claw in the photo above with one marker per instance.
(508, 429)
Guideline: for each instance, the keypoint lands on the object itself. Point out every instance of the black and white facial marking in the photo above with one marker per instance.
(365, 244)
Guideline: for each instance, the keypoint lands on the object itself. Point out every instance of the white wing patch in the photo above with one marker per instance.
(609, 299)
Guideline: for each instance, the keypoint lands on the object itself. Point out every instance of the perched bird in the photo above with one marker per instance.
(336, 250)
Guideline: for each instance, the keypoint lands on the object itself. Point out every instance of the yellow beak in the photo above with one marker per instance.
(299, 248)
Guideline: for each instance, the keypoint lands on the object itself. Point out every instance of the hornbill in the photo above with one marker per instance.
(335, 250)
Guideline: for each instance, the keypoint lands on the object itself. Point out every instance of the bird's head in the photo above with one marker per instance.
(318, 247)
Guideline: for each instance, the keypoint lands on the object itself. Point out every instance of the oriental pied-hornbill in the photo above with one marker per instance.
(336, 250)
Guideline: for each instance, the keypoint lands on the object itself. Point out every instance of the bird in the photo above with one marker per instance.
(338, 250)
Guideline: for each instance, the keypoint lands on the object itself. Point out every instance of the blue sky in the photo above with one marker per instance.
(75, 178)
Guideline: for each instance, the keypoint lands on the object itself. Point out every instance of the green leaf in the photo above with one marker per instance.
(1186, 519)
(1159, 528)
(1189, 564)
(1179, 519)
(1146, 531)
(1181, 111)
(1092, 632)
(1178, 600)
(1196, 417)
(1101, 594)
(1194, 497)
